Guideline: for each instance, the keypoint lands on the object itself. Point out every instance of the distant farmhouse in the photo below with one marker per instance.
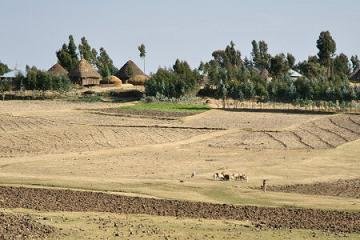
(84, 74)
(10, 75)
(294, 75)
(58, 70)
(131, 73)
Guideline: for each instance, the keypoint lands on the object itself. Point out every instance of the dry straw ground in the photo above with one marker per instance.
(82, 146)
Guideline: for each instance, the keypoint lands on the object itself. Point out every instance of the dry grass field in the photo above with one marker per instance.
(95, 146)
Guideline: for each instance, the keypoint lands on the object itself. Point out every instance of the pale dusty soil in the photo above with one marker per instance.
(67, 144)
(75, 145)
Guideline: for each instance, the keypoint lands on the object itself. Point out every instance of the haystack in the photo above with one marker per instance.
(112, 80)
(138, 79)
(355, 76)
(131, 73)
(84, 74)
(58, 70)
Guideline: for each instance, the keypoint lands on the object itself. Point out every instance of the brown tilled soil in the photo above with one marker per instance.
(342, 188)
(22, 227)
(67, 200)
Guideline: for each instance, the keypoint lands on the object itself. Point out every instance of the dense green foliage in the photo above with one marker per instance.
(105, 64)
(86, 52)
(4, 68)
(173, 83)
(5, 85)
(40, 80)
(68, 57)
(355, 62)
(327, 48)
(142, 53)
(266, 77)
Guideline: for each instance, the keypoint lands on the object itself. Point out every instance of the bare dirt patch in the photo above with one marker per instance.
(22, 227)
(67, 200)
(341, 188)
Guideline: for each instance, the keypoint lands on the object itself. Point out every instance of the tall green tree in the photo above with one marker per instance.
(4, 68)
(260, 55)
(87, 52)
(291, 60)
(327, 48)
(355, 62)
(342, 65)
(279, 65)
(72, 48)
(142, 53)
(311, 68)
(67, 56)
(230, 58)
(179, 81)
(105, 64)
(255, 53)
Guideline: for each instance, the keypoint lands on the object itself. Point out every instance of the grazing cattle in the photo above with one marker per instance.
(230, 177)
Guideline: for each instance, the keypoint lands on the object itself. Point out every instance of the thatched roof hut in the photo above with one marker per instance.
(355, 76)
(84, 74)
(131, 73)
(58, 70)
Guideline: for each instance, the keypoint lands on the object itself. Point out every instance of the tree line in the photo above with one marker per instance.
(264, 77)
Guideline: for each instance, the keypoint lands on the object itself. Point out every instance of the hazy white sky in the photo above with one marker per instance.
(32, 30)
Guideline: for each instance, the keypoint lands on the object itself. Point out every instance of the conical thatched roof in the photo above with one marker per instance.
(58, 70)
(355, 76)
(84, 70)
(129, 70)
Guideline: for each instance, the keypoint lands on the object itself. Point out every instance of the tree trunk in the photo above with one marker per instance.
(144, 66)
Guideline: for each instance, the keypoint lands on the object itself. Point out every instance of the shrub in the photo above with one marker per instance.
(173, 83)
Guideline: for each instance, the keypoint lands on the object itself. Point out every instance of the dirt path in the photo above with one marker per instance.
(79, 201)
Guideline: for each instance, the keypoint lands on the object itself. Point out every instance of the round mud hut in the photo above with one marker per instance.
(58, 70)
(131, 73)
(85, 75)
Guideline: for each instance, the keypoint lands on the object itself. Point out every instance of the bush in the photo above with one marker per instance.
(173, 83)
(43, 81)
